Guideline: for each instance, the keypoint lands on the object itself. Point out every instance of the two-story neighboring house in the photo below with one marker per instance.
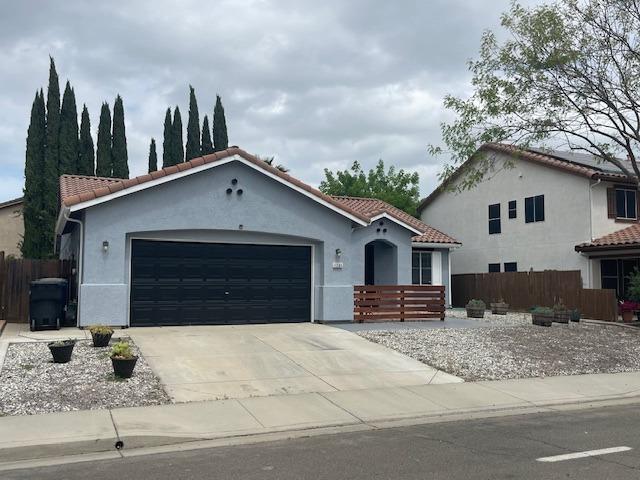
(549, 210)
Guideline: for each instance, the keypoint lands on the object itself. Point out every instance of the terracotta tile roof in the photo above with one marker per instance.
(75, 189)
(538, 157)
(372, 207)
(627, 237)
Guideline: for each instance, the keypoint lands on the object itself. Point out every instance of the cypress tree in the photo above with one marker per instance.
(153, 156)
(220, 137)
(34, 232)
(207, 145)
(177, 147)
(51, 163)
(119, 157)
(167, 153)
(69, 143)
(193, 127)
(86, 157)
(103, 147)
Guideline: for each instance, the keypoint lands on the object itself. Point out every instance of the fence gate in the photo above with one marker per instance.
(382, 303)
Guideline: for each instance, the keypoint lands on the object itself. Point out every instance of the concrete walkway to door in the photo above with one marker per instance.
(218, 362)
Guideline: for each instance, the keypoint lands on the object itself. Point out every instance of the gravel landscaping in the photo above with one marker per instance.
(31, 383)
(497, 353)
(510, 319)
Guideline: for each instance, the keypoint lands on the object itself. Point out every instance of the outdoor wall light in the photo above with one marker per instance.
(105, 246)
(240, 227)
(338, 253)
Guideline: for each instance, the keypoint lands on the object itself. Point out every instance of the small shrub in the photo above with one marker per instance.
(633, 291)
(542, 311)
(476, 304)
(122, 350)
(559, 307)
(62, 343)
(100, 330)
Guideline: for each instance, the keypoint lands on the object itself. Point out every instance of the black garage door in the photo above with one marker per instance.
(186, 283)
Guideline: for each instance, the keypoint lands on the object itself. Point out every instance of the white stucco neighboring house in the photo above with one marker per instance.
(228, 239)
(547, 210)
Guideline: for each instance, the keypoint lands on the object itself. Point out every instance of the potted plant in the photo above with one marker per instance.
(542, 316)
(61, 350)
(560, 313)
(574, 315)
(500, 307)
(626, 309)
(475, 308)
(123, 360)
(101, 335)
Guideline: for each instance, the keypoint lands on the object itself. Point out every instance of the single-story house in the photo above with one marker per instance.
(11, 227)
(226, 238)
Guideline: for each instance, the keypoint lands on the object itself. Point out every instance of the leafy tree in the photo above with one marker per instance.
(86, 157)
(207, 144)
(104, 164)
(69, 142)
(51, 162)
(33, 212)
(119, 157)
(153, 156)
(567, 75)
(220, 137)
(177, 145)
(193, 127)
(399, 188)
(167, 152)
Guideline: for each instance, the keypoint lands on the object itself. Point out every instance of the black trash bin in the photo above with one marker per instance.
(47, 303)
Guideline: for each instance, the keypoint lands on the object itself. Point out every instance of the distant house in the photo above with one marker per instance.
(11, 226)
(552, 210)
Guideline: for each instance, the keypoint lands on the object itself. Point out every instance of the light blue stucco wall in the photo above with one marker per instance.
(197, 208)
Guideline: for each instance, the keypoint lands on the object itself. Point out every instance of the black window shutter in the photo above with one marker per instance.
(611, 202)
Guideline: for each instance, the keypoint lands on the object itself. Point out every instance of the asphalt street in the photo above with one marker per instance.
(497, 448)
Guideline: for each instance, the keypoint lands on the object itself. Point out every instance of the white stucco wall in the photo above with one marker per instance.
(539, 245)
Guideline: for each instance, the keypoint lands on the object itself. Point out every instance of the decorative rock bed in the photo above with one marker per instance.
(31, 383)
(496, 353)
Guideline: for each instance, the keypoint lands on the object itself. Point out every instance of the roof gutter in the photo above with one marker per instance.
(449, 246)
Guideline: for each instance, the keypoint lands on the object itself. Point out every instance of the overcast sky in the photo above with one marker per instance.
(317, 84)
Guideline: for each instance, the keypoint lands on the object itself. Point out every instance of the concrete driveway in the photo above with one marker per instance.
(217, 362)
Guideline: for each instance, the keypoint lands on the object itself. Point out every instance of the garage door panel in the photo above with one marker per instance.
(198, 283)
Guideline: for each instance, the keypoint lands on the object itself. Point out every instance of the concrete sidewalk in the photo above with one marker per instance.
(76, 433)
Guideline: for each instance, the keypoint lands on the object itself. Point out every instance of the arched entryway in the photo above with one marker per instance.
(380, 263)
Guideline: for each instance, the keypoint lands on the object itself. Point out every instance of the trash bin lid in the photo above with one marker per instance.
(50, 281)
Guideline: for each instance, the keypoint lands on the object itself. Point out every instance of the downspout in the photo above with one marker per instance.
(590, 280)
(80, 257)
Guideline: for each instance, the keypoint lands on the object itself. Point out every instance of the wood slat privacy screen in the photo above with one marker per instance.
(382, 303)
(524, 290)
(16, 275)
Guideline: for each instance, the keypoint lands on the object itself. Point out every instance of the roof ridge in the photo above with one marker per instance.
(92, 177)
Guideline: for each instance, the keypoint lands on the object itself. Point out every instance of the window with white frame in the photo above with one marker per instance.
(626, 204)
(421, 272)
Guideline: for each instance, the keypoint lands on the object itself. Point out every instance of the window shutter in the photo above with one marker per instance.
(637, 206)
(436, 268)
(611, 202)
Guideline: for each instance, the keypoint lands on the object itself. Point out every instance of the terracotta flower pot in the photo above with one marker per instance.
(627, 316)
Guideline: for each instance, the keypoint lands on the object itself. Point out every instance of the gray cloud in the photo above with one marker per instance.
(317, 84)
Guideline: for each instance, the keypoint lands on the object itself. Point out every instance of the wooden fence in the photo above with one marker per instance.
(379, 303)
(523, 290)
(15, 276)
